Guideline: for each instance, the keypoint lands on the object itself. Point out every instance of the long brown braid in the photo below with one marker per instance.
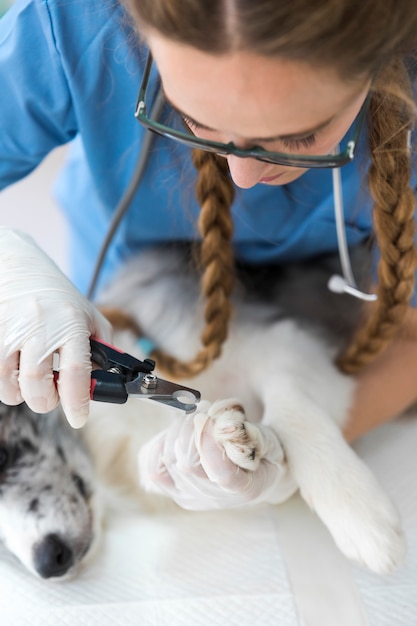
(215, 194)
(391, 118)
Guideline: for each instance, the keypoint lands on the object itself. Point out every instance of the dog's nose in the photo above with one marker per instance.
(53, 557)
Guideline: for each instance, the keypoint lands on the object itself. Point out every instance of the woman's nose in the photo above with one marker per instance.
(246, 172)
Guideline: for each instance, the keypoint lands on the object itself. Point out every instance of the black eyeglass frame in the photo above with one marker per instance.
(278, 158)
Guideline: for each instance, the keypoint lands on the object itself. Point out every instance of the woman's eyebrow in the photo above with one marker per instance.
(300, 135)
(187, 117)
(289, 137)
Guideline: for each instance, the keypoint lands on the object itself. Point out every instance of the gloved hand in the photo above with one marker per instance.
(41, 313)
(188, 463)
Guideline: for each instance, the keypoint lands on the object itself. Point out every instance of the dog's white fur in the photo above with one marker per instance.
(280, 369)
(277, 363)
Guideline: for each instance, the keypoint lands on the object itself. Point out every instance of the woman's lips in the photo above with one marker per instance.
(269, 179)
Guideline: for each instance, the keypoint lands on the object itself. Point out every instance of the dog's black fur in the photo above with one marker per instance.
(48, 513)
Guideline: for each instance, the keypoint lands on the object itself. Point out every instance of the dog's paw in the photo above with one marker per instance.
(243, 441)
(376, 541)
(368, 531)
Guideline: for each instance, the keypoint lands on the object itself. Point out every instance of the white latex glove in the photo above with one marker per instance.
(41, 313)
(187, 464)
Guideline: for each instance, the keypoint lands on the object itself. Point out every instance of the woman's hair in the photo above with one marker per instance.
(357, 38)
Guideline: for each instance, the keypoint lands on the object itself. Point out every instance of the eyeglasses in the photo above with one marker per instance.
(278, 158)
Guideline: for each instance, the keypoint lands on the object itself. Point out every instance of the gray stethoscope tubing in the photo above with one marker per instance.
(128, 195)
(345, 283)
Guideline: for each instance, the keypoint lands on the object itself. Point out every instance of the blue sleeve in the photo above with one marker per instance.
(36, 112)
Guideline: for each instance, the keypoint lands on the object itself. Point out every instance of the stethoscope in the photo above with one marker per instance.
(126, 199)
(337, 283)
(345, 283)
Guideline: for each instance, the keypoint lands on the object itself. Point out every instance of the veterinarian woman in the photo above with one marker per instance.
(268, 92)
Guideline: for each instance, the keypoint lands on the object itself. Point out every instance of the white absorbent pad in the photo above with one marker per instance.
(266, 566)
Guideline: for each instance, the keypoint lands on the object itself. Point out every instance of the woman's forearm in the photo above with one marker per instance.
(388, 386)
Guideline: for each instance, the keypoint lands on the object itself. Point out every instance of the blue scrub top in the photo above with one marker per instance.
(70, 71)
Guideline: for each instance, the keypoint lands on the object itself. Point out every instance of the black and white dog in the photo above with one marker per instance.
(50, 515)
(278, 362)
